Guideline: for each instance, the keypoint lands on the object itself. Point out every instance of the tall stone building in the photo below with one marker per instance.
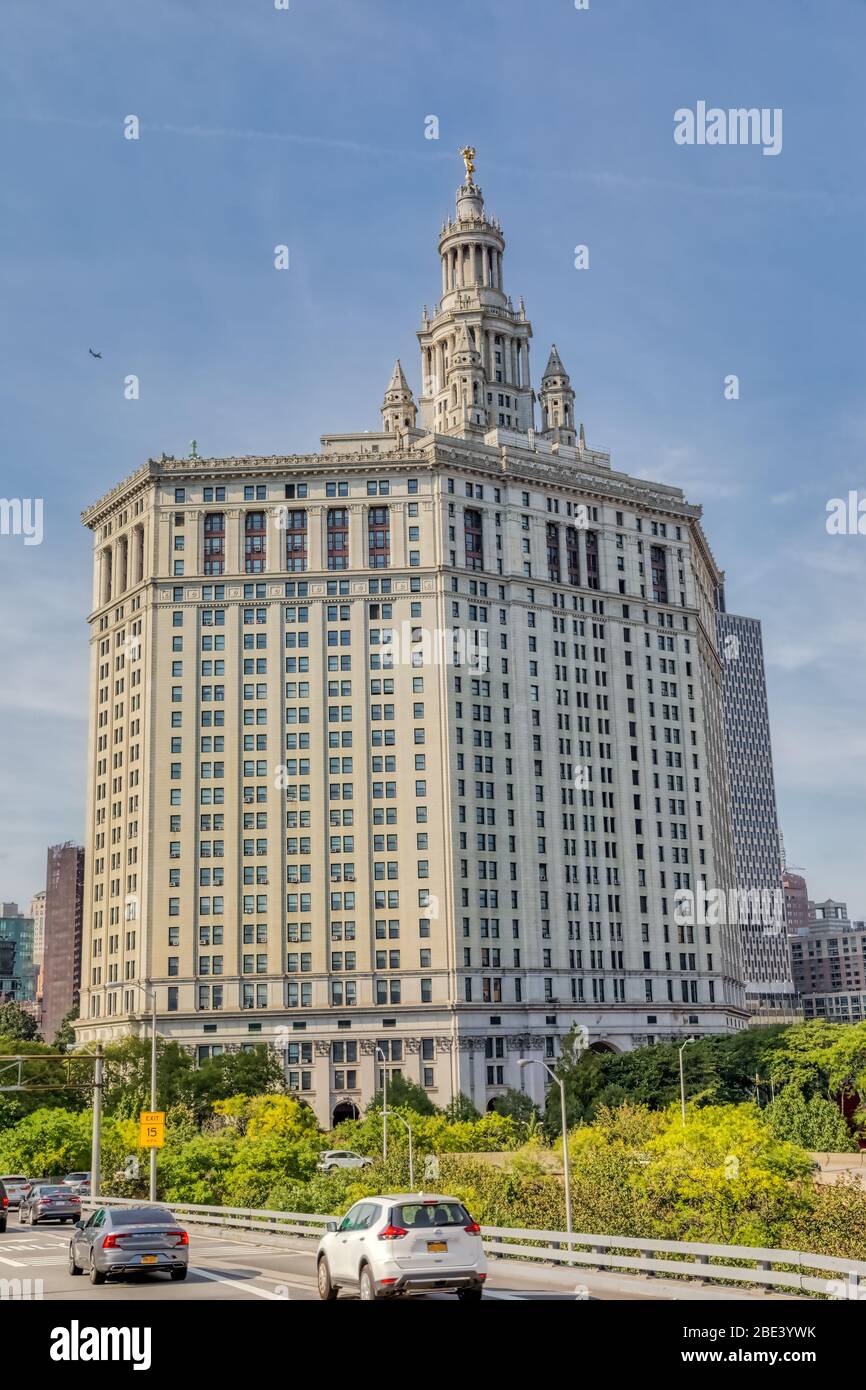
(770, 992)
(64, 903)
(400, 750)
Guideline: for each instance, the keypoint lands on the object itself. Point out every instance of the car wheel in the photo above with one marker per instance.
(470, 1295)
(178, 1274)
(73, 1267)
(3, 1228)
(96, 1275)
(21, 1220)
(327, 1289)
(367, 1289)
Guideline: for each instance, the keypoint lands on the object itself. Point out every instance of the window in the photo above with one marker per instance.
(378, 538)
(214, 542)
(255, 543)
(472, 528)
(338, 538)
(296, 541)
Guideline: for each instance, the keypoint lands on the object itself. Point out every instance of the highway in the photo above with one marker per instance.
(232, 1267)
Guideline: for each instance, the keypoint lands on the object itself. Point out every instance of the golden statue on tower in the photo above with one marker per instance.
(468, 156)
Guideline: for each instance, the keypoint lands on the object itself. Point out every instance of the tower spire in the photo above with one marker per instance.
(474, 345)
(557, 401)
(399, 411)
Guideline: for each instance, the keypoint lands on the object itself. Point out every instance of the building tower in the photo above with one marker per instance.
(399, 410)
(314, 826)
(487, 384)
(770, 990)
(557, 402)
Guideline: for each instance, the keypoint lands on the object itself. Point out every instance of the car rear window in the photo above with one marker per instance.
(45, 1191)
(142, 1216)
(421, 1214)
(12, 1179)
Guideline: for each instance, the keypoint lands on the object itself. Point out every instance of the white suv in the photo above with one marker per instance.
(404, 1244)
(341, 1158)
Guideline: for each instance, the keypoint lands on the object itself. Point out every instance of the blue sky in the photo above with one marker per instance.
(306, 127)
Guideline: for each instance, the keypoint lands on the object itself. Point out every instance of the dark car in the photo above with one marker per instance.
(129, 1240)
(49, 1202)
(4, 1208)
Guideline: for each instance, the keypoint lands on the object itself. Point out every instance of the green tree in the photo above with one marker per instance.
(816, 1123)
(16, 1024)
(47, 1143)
(258, 1071)
(517, 1106)
(406, 1095)
(127, 1076)
(65, 1037)
(461, 1108)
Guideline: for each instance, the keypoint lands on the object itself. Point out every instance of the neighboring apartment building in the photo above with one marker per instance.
(399, 751)
(17, 969)
(796, 896)
(770, 993)
(829, 957)
(64, 903)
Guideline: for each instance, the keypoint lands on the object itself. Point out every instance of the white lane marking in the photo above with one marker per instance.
(498, 1293)
(238, 1284)
(16, 1264)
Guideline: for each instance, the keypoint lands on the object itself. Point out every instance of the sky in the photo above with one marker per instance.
(306, 127)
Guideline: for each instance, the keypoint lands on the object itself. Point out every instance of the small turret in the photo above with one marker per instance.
(557, 401)
(399, 411)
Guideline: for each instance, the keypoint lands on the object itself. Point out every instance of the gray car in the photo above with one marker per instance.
(48, 1202)
(129, 1240)
(16, 1188)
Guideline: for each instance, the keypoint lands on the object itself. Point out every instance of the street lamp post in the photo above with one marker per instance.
(560, 1081)
(380, 1053)
(405, 1122)
(683, 1080)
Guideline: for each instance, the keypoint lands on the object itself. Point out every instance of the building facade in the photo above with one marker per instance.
(770, 993)
(399, 751)
(829, 957)
(796, 894)
(18, 971)
(37, 912)
(64, 905)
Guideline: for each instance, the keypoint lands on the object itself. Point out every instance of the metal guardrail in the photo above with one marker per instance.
(767, 1269)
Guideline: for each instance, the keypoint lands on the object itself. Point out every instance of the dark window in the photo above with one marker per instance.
(338, 538)
(255, 543)
(378, 538)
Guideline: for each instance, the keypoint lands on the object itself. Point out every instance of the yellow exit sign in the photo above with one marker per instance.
(151, 1129)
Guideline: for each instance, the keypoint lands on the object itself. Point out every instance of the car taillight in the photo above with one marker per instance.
(109, 1242)
(473, 1229)
(5, 1200)
(45, 1201)
(393, 1233)
(182, 1237)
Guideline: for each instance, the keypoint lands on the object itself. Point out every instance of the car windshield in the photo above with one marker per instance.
(142, 1216)
(421, 1214)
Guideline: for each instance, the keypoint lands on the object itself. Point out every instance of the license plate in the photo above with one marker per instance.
(437, 1247)
(148, 1259)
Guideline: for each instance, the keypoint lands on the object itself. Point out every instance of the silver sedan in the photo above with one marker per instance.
(48, 1202)
(129, 1240)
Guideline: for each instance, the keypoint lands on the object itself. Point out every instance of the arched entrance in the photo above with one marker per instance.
(602, 1047)
(346, 1110)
